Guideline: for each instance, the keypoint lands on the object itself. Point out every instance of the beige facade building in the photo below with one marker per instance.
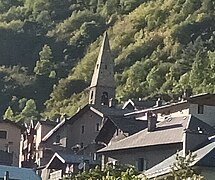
(10, 135)
(201, 106)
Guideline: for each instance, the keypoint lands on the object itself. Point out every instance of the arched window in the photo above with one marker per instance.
(104, 98)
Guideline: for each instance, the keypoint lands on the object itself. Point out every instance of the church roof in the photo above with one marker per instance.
(103, 72)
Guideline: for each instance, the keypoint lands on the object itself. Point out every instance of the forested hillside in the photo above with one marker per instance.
(49, 48)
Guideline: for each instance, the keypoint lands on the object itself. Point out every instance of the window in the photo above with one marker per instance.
(97, 127)
(3, 134)
(82, 145)
(91, 97)
(57, 139)
(117, 132)
(105, 66)
(104, 98)
(141, 164)
(82, 129)
(200, 109)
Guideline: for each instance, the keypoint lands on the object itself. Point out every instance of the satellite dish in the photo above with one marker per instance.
(81, 166)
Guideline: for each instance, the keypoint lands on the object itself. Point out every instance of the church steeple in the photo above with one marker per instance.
(102, 86)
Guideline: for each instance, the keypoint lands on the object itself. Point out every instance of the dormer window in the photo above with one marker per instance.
(200, 109)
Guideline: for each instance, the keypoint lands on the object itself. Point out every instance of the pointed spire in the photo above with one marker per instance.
(103, 84)
(103, 72)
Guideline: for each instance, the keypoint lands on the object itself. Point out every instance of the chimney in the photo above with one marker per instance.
(152, 120)
(112, 103)
(187, 93)
(158, 102)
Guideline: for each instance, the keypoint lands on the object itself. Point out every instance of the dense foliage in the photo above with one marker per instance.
(49, 48)
(182, 168)
(109, 173)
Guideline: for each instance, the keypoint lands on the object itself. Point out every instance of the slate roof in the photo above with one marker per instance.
(168, 131)
(110, 111)
(16, 173)
(204, 158)
(52, 131)
(71, 158)
(139, 104)
(128, 124)
(46, 122)
(104, 57)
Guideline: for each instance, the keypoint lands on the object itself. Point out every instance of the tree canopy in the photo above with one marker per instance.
(49, 49)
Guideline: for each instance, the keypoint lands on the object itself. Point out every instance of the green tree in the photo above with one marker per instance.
(182, 168)
(44, 66)
(29, 112)
(8, 114)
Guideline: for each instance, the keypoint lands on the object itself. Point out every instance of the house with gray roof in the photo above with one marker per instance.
(201, 106)
(65, 163)
(204, 163)
(159, 141)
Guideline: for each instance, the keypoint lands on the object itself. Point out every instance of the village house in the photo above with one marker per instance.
(159, 141)
(203, 164)
(10, 134)
(63, 163)
(201, 106)
(31, 138)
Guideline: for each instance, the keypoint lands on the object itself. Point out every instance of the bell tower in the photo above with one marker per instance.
(102, 87)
